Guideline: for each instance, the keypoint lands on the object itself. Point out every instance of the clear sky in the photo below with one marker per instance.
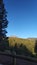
(22, 17)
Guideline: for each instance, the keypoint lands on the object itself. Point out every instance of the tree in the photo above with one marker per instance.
(3, 21)
(35, 48)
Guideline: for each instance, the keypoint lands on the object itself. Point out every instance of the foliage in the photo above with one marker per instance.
(4, 45)
(3, 24)
(29, 43)
(20, 49)
(35, 46)
(3, 21)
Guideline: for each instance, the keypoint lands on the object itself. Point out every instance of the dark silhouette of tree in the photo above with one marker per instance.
(35, 49)
(21, 50)
(3, 23)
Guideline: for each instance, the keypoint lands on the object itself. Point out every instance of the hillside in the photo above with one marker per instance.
(29, 42)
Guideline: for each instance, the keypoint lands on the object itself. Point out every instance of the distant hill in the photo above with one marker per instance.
(29, 42)
(32, 38)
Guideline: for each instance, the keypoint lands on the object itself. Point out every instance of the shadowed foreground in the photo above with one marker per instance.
(8, 60)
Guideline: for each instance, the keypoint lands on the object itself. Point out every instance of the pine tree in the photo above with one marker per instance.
(3, 21)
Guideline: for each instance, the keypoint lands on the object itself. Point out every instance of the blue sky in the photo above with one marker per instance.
(22, 17)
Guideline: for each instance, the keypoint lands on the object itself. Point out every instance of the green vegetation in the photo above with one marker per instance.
(3, 26)
(28, 43)
(27, 47)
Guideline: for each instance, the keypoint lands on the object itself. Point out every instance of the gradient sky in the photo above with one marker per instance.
(22, 17)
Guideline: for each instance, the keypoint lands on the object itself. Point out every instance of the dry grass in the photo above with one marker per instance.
(29, 43)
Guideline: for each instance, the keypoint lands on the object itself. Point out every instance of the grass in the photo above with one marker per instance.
(29, 43)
